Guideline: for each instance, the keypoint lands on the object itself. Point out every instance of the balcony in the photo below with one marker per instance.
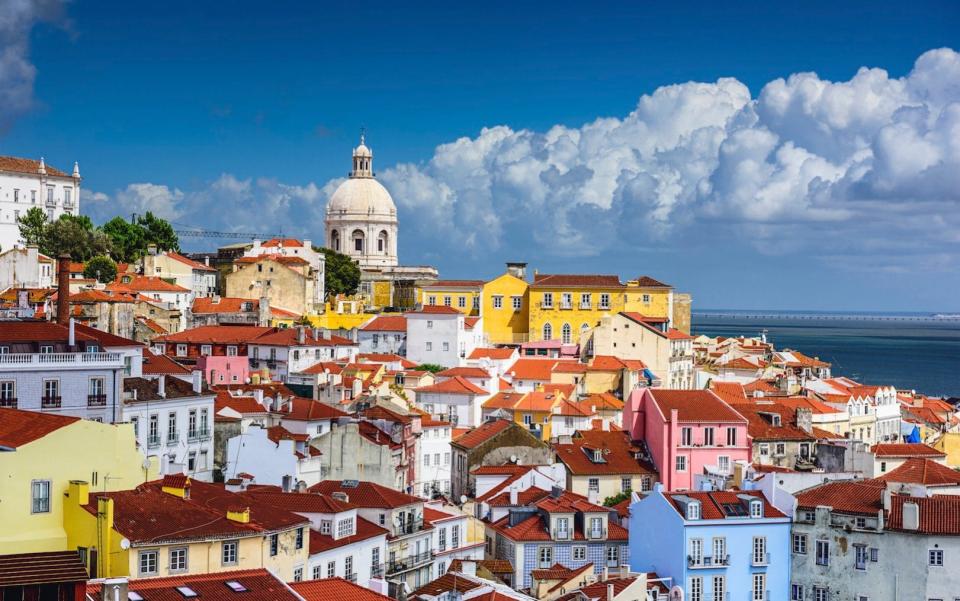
(22, 361)
(408, 563)
(760, 560)
(51, 402)
(172, 438)
(376, 570)
(153, 441)
(566, 306)
(708, 561)
(408, 528)
(51, 202)
(96, 400)
(561, 534)
(8, 403)
(352, 577)
(597, 534)
(758, 596)
(204, 434)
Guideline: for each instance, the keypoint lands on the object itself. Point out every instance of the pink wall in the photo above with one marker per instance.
(221, 370)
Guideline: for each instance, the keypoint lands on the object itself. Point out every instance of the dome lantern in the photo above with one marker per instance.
(362, 160)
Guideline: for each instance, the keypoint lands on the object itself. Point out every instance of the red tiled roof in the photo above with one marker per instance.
(598, 590)
(606, 363)
(466, 372)
(470, 322)
(569, 367)
(187, 261)
(939, 514)
(694, 406)
(615, 447)
(445, 583)
(492, 353)
(455, 385)
(455, 284)
(367, 494)
(731, 392)
(310, 410)
(905, 450)
(329, 589)
(434, 310)
(759, 386)
(576, 281)
(24, 569)
(645, 281)
(225, 304)
(531, 369)
(276, 258)
(290, 337)
(385, 358)
(28, 166)
(761, 427)
(742, 363)
(154, 364)
(386, 323)
(19, 427)
(143, 283)
(502, 496)
(555, 572)
(675, 334)
(917, 470)
(37, 331)
(603, 401)
(216, 335)
(364, 530)
(434, 515)
(845, 496)
(481, 434)
(711, 503)
(283, 242)
(259, 585)
(496, 566)
(241, 404)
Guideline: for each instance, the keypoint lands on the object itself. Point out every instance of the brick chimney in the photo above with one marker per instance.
(63, 289)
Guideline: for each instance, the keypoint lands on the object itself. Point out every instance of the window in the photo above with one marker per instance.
(516, 302)
(681, 463)
(299, 543)
(719, 549)
(171, 427)
(40, 495)
(274, 544)
(446, 346)
(646, 299)
(696, 551)
(780, 449)
(547, 331)
(764, 448)
(331, 569)
(646, 484)
(759, 587)
(374, 559)
(696, 588)
(181, 350)
(626, 485)
(936, 557)
(8, 392)
(318, 571)
(455, 537)
(547, 300)
(563, 528)
(874, 554)
(800, 544)
(348, 567)
(759, 550)
(860, 522)
(297, 574)
(860, 557)
(206, 350)
(476, 302)
(51, 392)
(579, 553)
(231, 351)
(604, 301)
(429, 346)
(585, 300)
(192, 423)
(686, 436)
(823, 553)
(796, 592)
(545, 557)
(446, 301)
(178, 559)
(462, 302)
(442, 539)
(148, 563)
(693, 511)
(708, 437)
(719, 588)
(426, 460)
(429, 324)
(566, 334)
(566, 300)
(431, 300)
(344, 528)
(821, 594)
(756, 509)
(593, 484)
(723, 463)
(497, 301)
(613, 556)
(731, 437)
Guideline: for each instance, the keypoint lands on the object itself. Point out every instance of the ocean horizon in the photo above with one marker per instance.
(912, 350)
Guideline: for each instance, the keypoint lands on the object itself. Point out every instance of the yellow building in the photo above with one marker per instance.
(532, 410)
(178, 526)
(651, 298)
(564, 306)
(41, 453)
(505, 307)
(462, 295)
(949, 443)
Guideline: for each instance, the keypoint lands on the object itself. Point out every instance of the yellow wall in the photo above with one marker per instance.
(438, 294)
(658, 305)
(74, 452)
(202, 557)
(505, 325)
(290, 287)
(540, 418)
(339, 321)
(575, 316)
(949, 443)
(602, 381)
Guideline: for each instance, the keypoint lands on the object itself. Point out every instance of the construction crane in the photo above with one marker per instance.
(199, 233)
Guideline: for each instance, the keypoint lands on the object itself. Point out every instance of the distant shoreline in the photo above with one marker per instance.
(943, 316)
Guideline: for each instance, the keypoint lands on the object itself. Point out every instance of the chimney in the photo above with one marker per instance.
(114, 589)
(887, 496)
(610, 594)
(263, 308)
(63, 288)
(605, 575)
(468, 567)
(517, 270)
(327, 334)
(301, 335)
(593, 496)
(71, 334)
(556, 492)
(162, 386)
(340, 496)
(911, 516)
(513, 495)
(197, 377)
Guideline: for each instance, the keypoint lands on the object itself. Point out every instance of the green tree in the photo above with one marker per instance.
(617, 498)
(33, 226)
(102, 268)
(126, 239)
(158, 231)
(430, 367)
(342, 275)
(75, 236)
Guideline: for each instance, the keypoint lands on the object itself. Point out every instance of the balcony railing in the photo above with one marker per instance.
(51, 402)
(597, 534)
(172, 438)
(153, 441)
(19, 361)
(409, 527)
(762, 560)
(708, 561)
(561, 534)
(51, 202)
(376, 570)
(96, 400)
(758, 596)
(9, 403)
(408, 563)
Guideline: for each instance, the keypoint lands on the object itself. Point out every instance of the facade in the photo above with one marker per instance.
(220, 310)
(173, 423)
(433, 458)
(159, 291)
(384, 334)
(451, 530)
(55, 369)
(362, 451)
(455, 399)
(505, 306)
(781, 436)
(857, 540)
(25, 267)
(441, 335)
(289, 283)
(687, 431)
(462, 295)
(42, 454)
(26, 183)
(602, 464)
(200, 279)
(287, 351)
(253, 585)
(715, 545)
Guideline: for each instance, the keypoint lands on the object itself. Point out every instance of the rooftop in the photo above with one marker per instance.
(19, 427)
(694, 406)
(366, 494)
(246, 585)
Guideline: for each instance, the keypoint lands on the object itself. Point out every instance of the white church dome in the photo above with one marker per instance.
(361, 196)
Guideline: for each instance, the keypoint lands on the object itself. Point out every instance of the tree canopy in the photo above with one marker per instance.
(342, 276)
(102, 268)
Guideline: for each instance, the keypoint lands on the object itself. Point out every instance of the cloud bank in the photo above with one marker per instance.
(863, 173)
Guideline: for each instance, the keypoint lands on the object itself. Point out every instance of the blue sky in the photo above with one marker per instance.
(561, 134)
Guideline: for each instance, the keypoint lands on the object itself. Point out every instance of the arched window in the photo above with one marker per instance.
(358, 241)
(382, 241)
(547, 331)
(565, 333)
(335, 240)
(583, 329)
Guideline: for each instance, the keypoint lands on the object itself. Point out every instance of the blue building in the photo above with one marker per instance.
(717, 546)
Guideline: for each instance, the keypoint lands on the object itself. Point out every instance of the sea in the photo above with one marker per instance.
(918, 351)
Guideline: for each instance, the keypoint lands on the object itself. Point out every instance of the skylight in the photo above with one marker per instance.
(134, 596)
(236, 586)
(187, 592)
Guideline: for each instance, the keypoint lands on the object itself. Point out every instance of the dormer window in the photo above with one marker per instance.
(756, 509)
(693, 510)
(775, 419)
(597, 456)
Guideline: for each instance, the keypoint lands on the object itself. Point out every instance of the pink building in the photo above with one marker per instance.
(685, 431)
(224, 370)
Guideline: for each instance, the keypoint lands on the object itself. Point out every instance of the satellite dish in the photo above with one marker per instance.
(146, 463)
(513, 458)
(124, 544)
(463, 498)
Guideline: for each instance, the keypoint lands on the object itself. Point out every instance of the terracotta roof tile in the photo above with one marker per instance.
(216, 335)
(905, 450)
(386, 323)
(492, 353)
(19, 427)
(711, 503)
(188, 261)
(328, 589)
(154, 364)
(527, 368)
(616, 451)
(576, 281)
(435, 310)
(283, 242)
(482, 433)
(367, 494)
(694, 406)
(454, 385)
(645, 281)
(845, 496)
(918, 470)
(28, 166)
(22, 569)
(466, 372)
(455, 284)
(364, 530)
(204, 305)
(143, 283)
(259, 585)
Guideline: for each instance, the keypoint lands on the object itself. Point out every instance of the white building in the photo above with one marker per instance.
(274, 456)
(433, 458)
(293, 350)
(291, 247)
(53, 368)
(455, 400)
(172, 421)
(361, 217)
(24, 184)
(442, 336)
(197, 277)
(25, 268)
(384, 334)
(163, 293)
(450, 536)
